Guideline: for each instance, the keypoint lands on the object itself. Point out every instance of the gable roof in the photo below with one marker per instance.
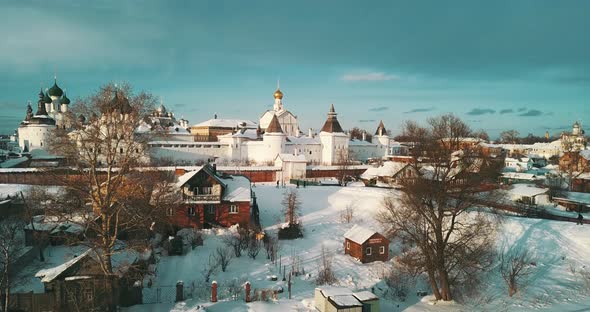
(359, 234)
(48, 275)
(292, 158)
(183, 179)
(238, 189)
(388, 169)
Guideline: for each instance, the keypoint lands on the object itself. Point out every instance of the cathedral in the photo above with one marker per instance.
(52, 112)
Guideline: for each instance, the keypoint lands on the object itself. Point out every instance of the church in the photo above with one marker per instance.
(277, 132)
(52, 112)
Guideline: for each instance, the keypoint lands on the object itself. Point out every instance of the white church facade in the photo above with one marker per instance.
(277, 133)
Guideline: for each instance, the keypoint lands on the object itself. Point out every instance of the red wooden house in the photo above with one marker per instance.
(366, 245)
(212, 199)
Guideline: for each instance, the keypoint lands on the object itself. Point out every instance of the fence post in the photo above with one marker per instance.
(214, 291)
(179, 291)
(248, 292)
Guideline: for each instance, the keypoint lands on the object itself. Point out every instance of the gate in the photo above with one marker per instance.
(160, 294)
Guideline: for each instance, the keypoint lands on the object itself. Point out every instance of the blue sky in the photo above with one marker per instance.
(499, 65)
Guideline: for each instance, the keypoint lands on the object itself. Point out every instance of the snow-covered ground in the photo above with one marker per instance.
(557, 247)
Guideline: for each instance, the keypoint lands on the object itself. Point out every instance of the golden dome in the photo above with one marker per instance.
(278, 94)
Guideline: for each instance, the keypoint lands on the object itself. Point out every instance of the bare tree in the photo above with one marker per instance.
(325, 271)
(509, 136)
(115, 201)
(223, 256)
(209, 268)
(254, 248)
(515, 267)
(238, 241)
(347, 214)
(271, 245)
(431, 215)
(344, 161)
(10, 247)
(291, 206)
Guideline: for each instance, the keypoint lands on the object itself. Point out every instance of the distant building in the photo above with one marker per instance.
(341, 299)
(575, 140)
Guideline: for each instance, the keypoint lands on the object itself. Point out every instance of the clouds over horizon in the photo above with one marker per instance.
(419, 110)
(480, 111)
(378, 109)
(531, 113)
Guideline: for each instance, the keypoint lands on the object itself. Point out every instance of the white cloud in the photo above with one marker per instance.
(375, 76)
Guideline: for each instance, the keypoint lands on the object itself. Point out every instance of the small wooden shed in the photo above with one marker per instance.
(366, 245)
(340, 299)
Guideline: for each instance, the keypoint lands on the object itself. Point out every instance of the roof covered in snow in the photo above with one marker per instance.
(388, 169)
(521, 176)
(578, 197)
(187, 176)
(359, 234)
(48, 275)
(328, 291)
(237, 189)
(304, 140)
(527, 190)
(228, 123)
(345, 301)
(585, 154)
(365, 295)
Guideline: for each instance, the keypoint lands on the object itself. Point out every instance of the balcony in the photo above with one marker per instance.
(201, 199)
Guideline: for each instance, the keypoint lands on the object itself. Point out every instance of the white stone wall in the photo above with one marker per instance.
(34, 136)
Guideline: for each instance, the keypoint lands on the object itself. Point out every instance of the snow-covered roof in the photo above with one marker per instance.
(585, 154)
(237, 189)
(360, 143)
(521, 176)
(228, 123)
(345, 301)
(13, 162)
(303, 140)
(365, 295)
(359, 234)
(527, 190)
(582, 198)
(187, 176)
(48, 275)
(292, 158)
(388, 169)
(329, 291)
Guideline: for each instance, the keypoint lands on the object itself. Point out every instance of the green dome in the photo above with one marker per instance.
(55, 90)
(46, 98)
(64, 99)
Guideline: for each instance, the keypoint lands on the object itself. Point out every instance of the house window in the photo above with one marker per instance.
(88, 295)
(210, 209)
(368, 251)
(382, 250)
(169, 211)
(233, 209)
(347, 245)
(191, 211)
(203, 190)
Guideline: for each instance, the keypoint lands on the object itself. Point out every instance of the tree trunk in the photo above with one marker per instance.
(445, 286)
(7, 290)
(434, 285)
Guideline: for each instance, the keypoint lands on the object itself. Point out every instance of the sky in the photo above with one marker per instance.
(498, 65)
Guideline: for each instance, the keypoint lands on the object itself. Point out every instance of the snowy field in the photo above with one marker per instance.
(557, 247)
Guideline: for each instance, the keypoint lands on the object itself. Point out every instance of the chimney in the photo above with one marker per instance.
(310, 133)
(364, 135)
(214, 166)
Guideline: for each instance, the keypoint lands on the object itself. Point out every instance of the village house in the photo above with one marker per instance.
(341, 299)
(520, 177)
(292, 166)
(573, 201)
(366, 245)
(211, 198)
(79, 284)
(529, 194)
(581, 182)
(577, 161)
(389, 174)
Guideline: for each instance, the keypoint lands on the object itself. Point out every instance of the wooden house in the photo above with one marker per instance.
(212, 199)
(389, 174)
(366, 245)
(79, 284)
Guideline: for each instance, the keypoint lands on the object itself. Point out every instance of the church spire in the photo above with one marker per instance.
(41, 104)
